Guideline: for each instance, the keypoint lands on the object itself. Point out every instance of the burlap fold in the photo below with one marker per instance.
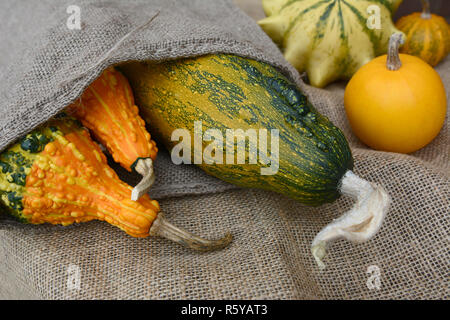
(269, 257)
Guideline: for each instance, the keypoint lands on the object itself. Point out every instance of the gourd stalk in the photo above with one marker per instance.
(426, 13)
(165, 229)
(145, 168)
(361, 222)
(393, 62)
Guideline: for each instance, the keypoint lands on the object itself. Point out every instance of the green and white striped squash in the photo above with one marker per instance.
(329, 39)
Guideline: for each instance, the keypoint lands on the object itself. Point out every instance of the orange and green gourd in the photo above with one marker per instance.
(57, 174)
(427, 35)
(108, 110)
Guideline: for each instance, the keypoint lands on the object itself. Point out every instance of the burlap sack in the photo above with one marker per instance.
(270, 255)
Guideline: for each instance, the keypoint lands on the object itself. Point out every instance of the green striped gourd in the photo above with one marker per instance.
(427, 35)
(227, 92)
(329, 39)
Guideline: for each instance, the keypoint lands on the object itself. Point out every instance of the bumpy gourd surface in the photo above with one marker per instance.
(107, 109)
(57, 174)
(329, 39)
(230, 92)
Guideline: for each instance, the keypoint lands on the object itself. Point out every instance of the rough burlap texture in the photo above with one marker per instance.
(270, 255)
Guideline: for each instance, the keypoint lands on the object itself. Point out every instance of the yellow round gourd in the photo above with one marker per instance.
(396, 102)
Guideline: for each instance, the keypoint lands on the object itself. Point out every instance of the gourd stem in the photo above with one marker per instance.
(163, 228)
(145, 168)
(360, 223)
(426, 13)
(393, 59)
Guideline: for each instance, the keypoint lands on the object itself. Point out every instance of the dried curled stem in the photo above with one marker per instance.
(163, 228)
(393, 59)
(145, 168)
(359, 224)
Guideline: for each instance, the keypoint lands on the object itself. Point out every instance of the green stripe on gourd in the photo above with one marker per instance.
(314, 154)
(329, 39)
(427, 35)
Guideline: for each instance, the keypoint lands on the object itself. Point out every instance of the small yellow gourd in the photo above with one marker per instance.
(396, 102)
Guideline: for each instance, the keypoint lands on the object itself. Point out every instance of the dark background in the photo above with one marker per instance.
(440, 7)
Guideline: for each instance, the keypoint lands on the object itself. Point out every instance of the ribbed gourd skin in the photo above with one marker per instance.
(230, 92)
(426, 38)
(329, 39)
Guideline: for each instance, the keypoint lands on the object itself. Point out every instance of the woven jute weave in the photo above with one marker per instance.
(40, 59)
